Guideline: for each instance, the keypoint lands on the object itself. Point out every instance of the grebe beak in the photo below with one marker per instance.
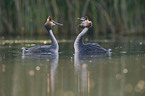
(58, 24)
(80, 19)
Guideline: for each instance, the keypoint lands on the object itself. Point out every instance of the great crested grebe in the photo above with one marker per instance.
(53, 48)
(89, 48)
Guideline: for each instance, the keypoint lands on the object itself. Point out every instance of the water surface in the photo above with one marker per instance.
(68, 74)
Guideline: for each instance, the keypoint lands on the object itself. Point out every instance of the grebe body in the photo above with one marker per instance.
(88, 48)
(48, 49)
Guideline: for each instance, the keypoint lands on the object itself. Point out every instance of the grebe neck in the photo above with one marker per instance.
(54, 41)
(79, 39)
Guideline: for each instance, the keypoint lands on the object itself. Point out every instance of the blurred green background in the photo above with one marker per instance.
(109, 17)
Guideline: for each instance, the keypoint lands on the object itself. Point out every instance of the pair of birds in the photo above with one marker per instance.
(79, 46)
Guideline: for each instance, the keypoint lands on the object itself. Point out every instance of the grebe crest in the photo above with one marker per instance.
(47, 49)
(49, 23)
(85, 22)
(88, 48)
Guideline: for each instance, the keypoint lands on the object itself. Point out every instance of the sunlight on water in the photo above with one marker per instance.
(69, 74)
(31, 73)
(37, 68)
(30, 41)
(140, 86)
(125, 70)
(118, 76)
(128, 88)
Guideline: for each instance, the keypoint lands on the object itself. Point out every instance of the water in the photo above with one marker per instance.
(67, 74)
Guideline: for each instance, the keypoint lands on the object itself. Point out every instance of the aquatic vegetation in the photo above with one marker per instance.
(26, 17)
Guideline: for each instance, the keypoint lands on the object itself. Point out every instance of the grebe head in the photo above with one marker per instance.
(85, 22)
(49, 23)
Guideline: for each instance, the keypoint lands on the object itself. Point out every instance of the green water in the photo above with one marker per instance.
(67, 74)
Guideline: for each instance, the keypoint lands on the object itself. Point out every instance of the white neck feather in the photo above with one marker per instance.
(54, 41)
(79, 37)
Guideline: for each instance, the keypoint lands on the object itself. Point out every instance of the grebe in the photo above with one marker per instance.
(89, 48)
(53, 48)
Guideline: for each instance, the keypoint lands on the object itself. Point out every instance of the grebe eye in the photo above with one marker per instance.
(85, 18)
(52, 21)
